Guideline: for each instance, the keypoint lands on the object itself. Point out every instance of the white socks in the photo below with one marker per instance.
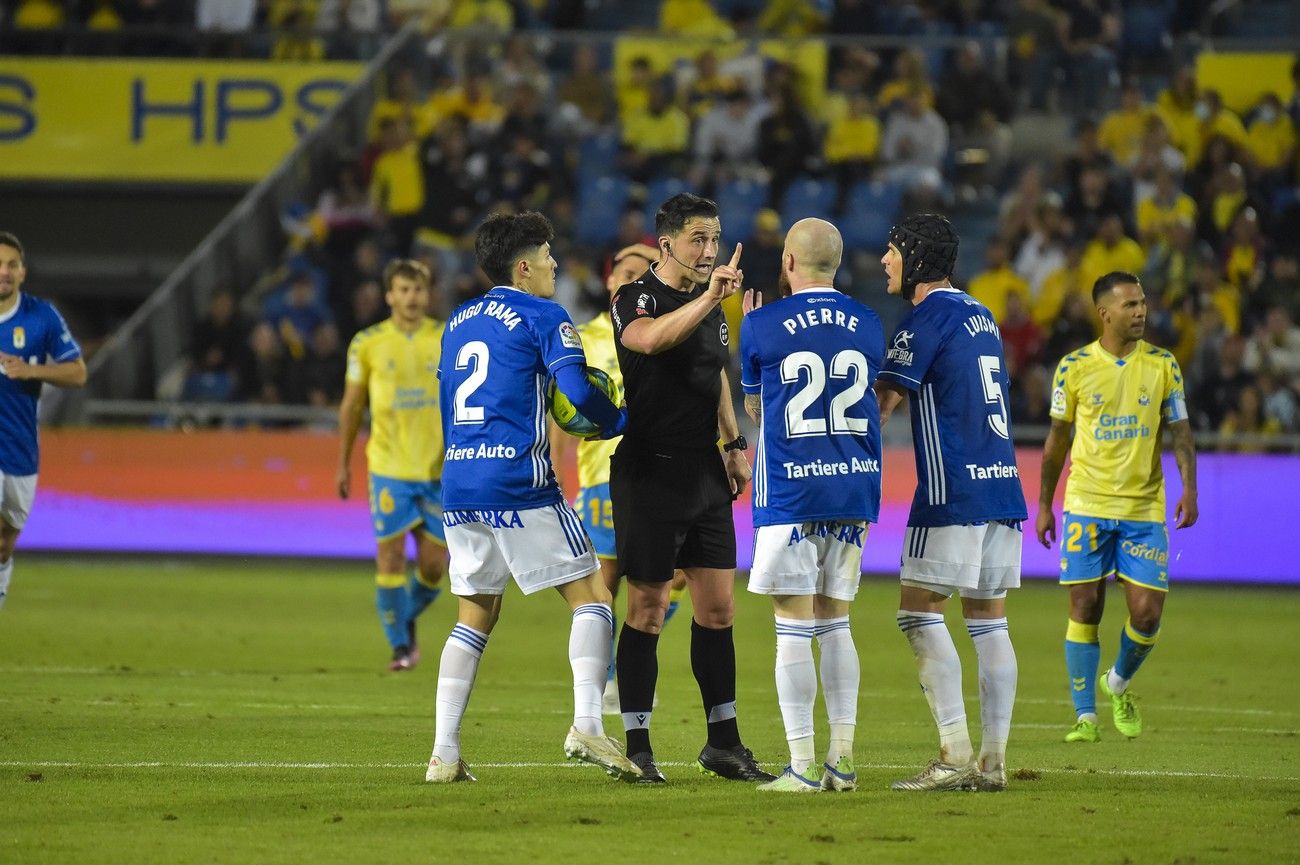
(1117, 683)
(841, 676)
(6, 572)
(456, 672)
(939, 669)
(590, 640)
(796, 687)
(998, 670)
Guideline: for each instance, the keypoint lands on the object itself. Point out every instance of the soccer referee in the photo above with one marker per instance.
(671, 487)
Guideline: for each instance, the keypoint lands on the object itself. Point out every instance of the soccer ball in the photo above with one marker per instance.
(566, 415)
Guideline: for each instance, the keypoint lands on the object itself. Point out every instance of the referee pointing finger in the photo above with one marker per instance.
(670, 485)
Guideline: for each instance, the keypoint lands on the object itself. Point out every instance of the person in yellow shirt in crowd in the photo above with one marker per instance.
(472, 101)
(1176, 105)
(297, 39)
(1271, 138)
(706, 85)
(397, 183)
(403, 100)
(655, 138)
(392, 367)
(1111, 250)
(1121, 131)
(997, 281)
(632, 91)
(1213, 119)
(1157, 213)
(593, 504)
(495, 15)
(791, 19)
(1065, 282)
(1243, 260)
(693, 18)
(853, 143)
(909, 78)
(39, 15)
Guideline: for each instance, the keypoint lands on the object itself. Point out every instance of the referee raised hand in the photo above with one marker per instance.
(670, 483)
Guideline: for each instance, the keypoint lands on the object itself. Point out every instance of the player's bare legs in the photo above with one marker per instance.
(986, 621)
(8, 540)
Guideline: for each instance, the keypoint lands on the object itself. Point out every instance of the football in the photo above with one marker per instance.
(567, 416)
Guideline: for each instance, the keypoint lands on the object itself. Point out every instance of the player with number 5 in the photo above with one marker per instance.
(963, 534)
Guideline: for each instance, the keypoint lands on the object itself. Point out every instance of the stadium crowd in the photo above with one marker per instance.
(1160, 178)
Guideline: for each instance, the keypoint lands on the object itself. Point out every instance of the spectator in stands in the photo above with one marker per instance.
(702, 84)
(1075, 325)
(1246, 429)
(1271, 138)
(977, 106)
(910, 79)
(633, 89)
(365, 307)
(1243, 256)
(1034, 51)
(225, 25)
(397, 184)
(357, 27)
(998, 280)
(1280, 288)
(1019, 207)
(1224, 197)
(1217, 382)
(763, 253)
(403, 100)
(346, 211)
(461, 179)
(1022, 338)
(1042, 252)
(787, 143)
(489, 17)
(1280, 402)
(313, 379)
(522, 173)
(297, 39)
(519, 65)
(1213, 121)
(587, 89)
(1029, 397)
(1087, 154)
(793, 19)
(523, 117)
(215, 347)
(632, 229)
(1172, 267)
(296, 311)
(1275, 346)
(1293, 107)
(262, 366)
(1093, 202)
(693, 18)
(1213, 290)
(852, 145)
(1122, 130)
(1089, 31)
(472, 101)
(1155, 154)
(913, 148)
(1176, 105)
(1157, 214)
(655, 140)
(1111, 250)
(726, 139)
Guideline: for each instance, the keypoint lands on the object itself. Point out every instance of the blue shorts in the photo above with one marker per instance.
(398, 506)
(597, 513)
(1093, 549)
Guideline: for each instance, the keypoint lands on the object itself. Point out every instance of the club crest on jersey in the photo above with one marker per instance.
(20, 337)
(901, 352)
(724, 333)
(569, 336)
(1144, 398)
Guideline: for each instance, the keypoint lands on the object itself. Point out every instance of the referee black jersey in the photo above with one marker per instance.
(673, 396)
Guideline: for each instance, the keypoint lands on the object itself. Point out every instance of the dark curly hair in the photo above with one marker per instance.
(504, 238)
(677, 211)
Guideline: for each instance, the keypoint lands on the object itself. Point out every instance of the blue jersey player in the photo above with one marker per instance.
(503, 511)
(808, 362)
(963, 533)
(35, 347)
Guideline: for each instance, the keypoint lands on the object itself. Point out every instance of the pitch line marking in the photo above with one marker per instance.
(159, 764)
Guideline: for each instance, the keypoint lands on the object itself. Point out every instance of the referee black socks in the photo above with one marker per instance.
(638, 670)
(713, 660)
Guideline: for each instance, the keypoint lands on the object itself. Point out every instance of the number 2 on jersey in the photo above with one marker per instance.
(796, 424)
(478, 352)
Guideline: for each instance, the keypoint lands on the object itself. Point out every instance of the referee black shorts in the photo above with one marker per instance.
(672, 509)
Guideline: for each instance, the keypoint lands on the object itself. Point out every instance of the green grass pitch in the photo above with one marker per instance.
(197, 711)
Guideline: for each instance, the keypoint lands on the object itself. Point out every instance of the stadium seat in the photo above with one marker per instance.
(659, 190)
(1146, 26)
(601, 202)
(739, 201)
(806, 197)
(598, 155)
(870, 212)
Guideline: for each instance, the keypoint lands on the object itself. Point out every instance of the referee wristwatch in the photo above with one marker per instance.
(736, 444)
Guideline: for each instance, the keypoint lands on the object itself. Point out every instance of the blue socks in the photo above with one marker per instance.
(392, 602)
(1082, 655)
(1134, 646)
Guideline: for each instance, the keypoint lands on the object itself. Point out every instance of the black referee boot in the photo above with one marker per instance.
(734, 764)
(650, 774)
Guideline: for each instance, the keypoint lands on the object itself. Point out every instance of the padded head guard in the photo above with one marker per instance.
(929, 249)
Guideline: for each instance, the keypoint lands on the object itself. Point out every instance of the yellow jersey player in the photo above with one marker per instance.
(394, 366)
(593, 504)
(1117, 393)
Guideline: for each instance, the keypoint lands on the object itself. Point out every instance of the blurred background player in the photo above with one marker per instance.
(393, 367)
(963, 532)
(807, 365)
(35, 347)
(593, 503)
(503, 510)
(1116, 392)
(672, 487)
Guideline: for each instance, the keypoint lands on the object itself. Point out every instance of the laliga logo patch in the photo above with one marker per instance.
(1058, 400)
(901, 352)
(724, 333)
(20, 337)
(569, 336)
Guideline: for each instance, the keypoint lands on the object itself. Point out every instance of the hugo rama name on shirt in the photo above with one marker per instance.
(493, 308)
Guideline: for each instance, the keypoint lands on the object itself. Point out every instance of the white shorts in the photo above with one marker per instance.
(540, 547)
(17, 492)
(818, 558)
(976, 561)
